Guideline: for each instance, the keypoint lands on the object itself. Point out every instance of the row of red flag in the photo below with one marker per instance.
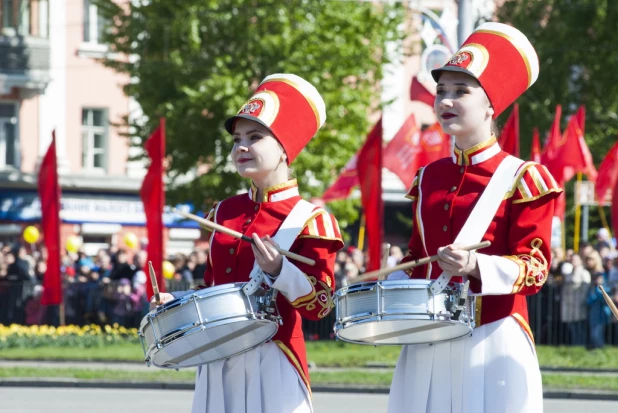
(564, 154)
(152, 193)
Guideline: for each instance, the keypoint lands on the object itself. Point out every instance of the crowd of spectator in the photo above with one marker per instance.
(573, 289)
(107, 288)
(110, 287)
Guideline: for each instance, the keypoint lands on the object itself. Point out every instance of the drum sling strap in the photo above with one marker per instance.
(285, 237)
(484, 211)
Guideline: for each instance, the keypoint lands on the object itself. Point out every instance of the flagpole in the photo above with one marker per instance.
(577, 216)
(604, 219)
(361, 233)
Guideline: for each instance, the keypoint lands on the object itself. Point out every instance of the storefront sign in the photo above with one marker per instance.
(78, 208)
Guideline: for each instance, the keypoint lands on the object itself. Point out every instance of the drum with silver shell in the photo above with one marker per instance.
(208, 325)
(402, 312)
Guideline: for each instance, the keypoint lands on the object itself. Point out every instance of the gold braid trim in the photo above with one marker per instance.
(536, 266)
(322, 296)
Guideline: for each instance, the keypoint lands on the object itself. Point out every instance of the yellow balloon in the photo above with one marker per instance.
(73, 243)
(130, 240)
(31, 234)
(168, 269)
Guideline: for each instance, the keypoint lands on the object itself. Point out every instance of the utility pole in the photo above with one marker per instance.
(466, 24)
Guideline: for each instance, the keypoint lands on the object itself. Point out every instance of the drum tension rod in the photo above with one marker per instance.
(461, 305)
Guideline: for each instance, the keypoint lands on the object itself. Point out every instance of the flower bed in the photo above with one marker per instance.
(17, 336)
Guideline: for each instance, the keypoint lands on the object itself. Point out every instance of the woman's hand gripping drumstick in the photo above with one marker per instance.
(216, 227)
(157, 298)
(380, 274)
(609, 302)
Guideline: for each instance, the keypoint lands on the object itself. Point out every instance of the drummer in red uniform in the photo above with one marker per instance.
(269, 132)
(495, 369)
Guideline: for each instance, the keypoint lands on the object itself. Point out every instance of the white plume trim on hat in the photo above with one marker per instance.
(307, 89)
(520, 41)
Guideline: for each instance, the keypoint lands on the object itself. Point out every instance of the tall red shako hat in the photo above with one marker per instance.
(289, 106)
(501, 58)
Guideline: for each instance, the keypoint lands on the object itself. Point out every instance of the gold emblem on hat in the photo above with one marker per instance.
(250, 107)
(461, 57)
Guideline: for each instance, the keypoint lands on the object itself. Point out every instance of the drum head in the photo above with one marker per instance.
(216, 342)
(399, 332)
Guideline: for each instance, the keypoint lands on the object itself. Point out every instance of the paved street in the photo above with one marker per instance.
(62, 400)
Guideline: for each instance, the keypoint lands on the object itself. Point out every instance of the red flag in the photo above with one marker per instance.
(608, 176)
(411, 149)
(550, 151)
(509, 138)
(535, 151)
(589, 169)
(369, 169)
(49, 193)
(152, 193)
(348, 179)
(615, 208)
(419, 92)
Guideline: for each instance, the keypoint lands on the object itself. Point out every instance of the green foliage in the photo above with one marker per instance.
(196, 62)
(575, 41)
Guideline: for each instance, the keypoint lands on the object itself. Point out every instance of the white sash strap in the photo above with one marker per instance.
(483, 213)
(285, 237)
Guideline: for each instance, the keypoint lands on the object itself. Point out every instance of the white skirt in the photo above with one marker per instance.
(261, 380)
(495, 370)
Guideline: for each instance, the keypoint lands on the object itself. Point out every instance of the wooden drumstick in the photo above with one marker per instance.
(609, 302)
(421, 261)
(216, 227)
(155, 286)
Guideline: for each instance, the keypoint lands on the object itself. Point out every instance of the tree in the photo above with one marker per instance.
(575, 41)
(197, 61)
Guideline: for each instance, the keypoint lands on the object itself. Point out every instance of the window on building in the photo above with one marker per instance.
(94, 24)
(9, 154)
(94, 139)
(24, 17)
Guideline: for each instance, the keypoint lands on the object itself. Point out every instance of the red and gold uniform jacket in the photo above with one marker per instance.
(516, 264)
(304, 291)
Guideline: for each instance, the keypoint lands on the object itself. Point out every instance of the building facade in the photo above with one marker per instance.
(51, 80)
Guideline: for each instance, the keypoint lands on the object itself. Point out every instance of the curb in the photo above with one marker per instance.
(91, 384)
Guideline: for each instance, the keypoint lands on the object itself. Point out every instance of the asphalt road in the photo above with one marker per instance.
(63, 400)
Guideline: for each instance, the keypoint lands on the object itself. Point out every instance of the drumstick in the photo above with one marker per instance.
(421, 261)
(609, 302)
(155, 286)
(216, 227)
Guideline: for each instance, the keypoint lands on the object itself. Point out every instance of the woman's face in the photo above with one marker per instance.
(256, 153)
(461, 105)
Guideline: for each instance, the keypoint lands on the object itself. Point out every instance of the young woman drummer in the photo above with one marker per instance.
(494, 369)
(269, 132)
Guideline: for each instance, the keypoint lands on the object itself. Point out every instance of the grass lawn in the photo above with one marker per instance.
(318, 378)
(324, 354)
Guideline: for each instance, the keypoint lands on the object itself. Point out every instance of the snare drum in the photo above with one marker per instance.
(208, 325)
(401, 312)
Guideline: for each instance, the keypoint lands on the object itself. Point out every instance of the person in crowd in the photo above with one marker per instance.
(576, 281)
(182, 272)
(604, 240)
(395, 256)
(123, 308)
(593, 263)
(598, 313)
(268, 133)
(122, 268)
(200, 265)
(495, 367)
